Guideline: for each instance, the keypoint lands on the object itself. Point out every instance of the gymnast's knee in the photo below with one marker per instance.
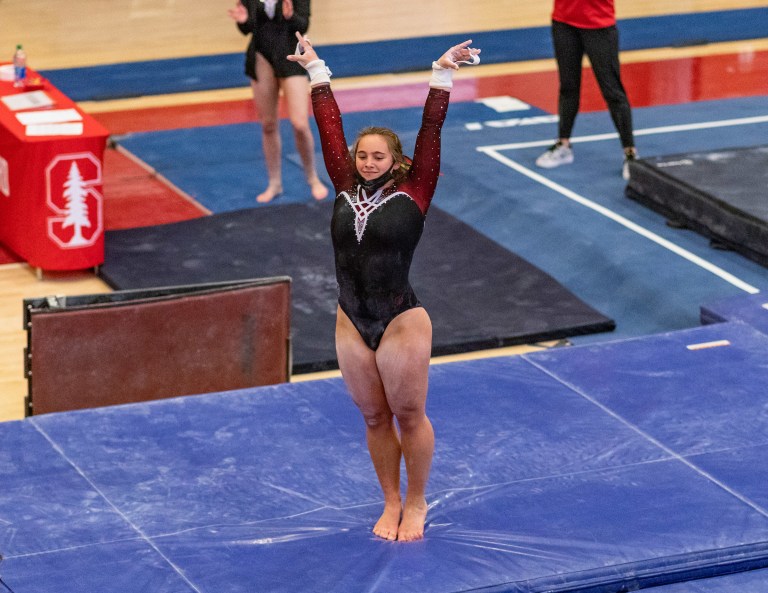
(409, 416)
(378, 419)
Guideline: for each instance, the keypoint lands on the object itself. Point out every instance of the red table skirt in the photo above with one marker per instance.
(51, 200)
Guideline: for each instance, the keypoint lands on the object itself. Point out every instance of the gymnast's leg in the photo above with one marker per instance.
(403, 363)
(358, 367)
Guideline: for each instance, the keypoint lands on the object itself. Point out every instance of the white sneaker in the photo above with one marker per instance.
(556, 155)
(625, 167)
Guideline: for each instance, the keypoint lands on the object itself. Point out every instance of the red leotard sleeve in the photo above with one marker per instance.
(338, 161)
(423, 174)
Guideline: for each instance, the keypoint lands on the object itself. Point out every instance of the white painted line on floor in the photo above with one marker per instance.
(723, 123)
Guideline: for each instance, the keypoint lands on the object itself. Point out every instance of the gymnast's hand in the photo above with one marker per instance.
(305, 53)
(307, 57)
(460, 54)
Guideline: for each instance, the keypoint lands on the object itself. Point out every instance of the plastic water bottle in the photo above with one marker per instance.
(19, 66)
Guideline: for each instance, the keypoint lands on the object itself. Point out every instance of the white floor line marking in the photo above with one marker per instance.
(723, 123)
(684, 253)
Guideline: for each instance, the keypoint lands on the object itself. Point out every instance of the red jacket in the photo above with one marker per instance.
(585, 14)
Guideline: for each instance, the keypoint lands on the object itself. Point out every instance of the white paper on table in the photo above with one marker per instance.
(65, 129)
(48, 116)
(30, 100)
(7, 72)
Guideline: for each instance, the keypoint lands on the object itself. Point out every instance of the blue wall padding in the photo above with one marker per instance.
(597, 469)
(200, 73)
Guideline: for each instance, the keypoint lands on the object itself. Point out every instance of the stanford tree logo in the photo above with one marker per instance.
(71, 183)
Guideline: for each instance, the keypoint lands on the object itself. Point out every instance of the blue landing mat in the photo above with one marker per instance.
(751, 309)
(98, 83)
(589, 469)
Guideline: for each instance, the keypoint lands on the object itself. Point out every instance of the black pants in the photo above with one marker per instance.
(602, 49)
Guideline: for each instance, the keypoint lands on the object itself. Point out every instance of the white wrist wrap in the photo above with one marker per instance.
(441, 77)
(318, 72)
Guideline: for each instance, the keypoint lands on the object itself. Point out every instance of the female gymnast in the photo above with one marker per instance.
(383, 335)
(272, 25)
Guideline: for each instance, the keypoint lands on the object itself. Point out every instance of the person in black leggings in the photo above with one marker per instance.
(579, 28)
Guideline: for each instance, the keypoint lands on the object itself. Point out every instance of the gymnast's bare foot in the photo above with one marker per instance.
(412, 526)
(319, 191)
(386, 526)
(269, 194)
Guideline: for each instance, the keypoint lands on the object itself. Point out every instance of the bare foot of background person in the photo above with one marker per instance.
(269, 194)
(319, 191)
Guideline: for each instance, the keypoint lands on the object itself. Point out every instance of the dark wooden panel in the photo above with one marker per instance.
(155, 345)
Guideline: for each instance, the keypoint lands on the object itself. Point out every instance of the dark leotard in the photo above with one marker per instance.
(375, 236)
(274, 38)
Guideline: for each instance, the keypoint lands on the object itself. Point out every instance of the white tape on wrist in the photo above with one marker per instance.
(318, 72)
(441, 77)
(474, 60)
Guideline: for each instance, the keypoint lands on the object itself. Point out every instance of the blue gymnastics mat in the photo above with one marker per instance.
(601, 468)
(750, 309)
(135, 79)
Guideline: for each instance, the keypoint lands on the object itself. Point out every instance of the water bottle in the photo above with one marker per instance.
(19, 67)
